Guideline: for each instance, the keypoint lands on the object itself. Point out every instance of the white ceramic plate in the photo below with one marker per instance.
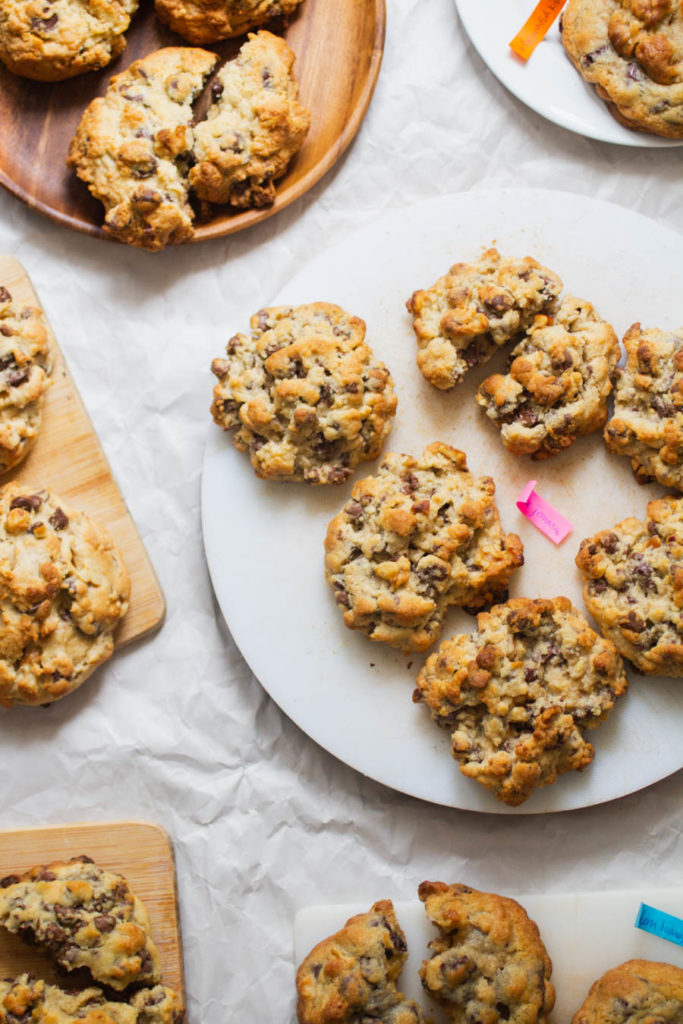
(585, 934)
(548, 82)
(264, 540)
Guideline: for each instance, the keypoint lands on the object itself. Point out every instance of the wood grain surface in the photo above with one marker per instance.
(68, 459)
(140, 851)
(338, 44)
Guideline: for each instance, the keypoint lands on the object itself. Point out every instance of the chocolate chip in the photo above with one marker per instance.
(30, 502)
(217, 90)
(46, 875)
(610, 542)
(105, 922)
(4, 295)
(46, 24)
(17, 377)
(8, 879)
(59, 519)
(7, 332)
(410, 483)
(53, 934)
(354, 509)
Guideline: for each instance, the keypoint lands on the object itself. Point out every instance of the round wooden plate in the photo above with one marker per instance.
(338, 44)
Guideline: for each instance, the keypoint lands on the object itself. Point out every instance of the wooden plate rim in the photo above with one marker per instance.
(283, 199)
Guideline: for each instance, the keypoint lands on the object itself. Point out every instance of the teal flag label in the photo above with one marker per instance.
(666, 926)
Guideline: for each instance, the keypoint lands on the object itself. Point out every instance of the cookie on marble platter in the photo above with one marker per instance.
(63, 590)
(252, 129)
(635, 992)
(464, 318)
(557, 384)
(29, 999)
(518, 692)
(84, 916)
(133, 147)
(207, 21)
(419, 536)
(632, 52)
(25, 367)
(647, 423)
(304, 394)
(352, 976)
(50, 40)
(634, 586)
(488, 962)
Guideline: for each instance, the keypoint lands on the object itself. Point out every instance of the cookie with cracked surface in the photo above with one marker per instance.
(84, 916)
(25, 367)
(634, 586)
(488, 962)
(207, 21)
(28, 999)
(557, 385)
(253, 128)
(63, 590)
(517, 694)
(51, 40)
(647, 423)
(636, 992)
(133, 147)
(304, 394)
(463, 319)
(352, 976)
(419, 536)
(632, 52)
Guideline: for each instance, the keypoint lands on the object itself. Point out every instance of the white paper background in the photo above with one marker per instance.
(177, 729)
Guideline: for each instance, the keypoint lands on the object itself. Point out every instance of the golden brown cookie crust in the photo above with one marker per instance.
(419, 536)
(27, 998)
(517, 693)
(208, 21)
(353, 975)
(636, 992)
(632, 51)
(634, 586)
(63, 591)
(50, 40)
(489, 962)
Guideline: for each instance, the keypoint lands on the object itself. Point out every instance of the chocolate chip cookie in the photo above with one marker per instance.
(352, 976)
(634, 586)
(25, 367)
(632, 52)
(647, 424)
(84, 916)
(207, 21)
(253, 128)
(133, 147)
(557, 385)
(419, 536)
(51, 40)
(474, 309)
(304, 394)
(636, 992)
(488, 962)
(63, 590)
(28, 999)
(517, 694)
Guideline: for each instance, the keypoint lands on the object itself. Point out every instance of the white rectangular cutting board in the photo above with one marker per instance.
(585, 934)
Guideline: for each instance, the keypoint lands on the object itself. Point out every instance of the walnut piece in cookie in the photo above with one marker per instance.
(304, 394)
(634, 586)
(352, 975)
(63, 590)
(635, 992)
(133, 147)
(557, 385)
(517, 694)
(464, 318)
(25, 367)
(632, 52)
(27, 998)
(50, 40)
(647, 424)
(207, 21)
(419, 536)
(488, 962)
(254, 127)
(84, 916)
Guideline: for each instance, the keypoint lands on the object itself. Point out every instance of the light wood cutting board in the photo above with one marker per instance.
(68, 459)
(140, 851)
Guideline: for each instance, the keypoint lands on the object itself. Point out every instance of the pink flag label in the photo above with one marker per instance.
(543, 516)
